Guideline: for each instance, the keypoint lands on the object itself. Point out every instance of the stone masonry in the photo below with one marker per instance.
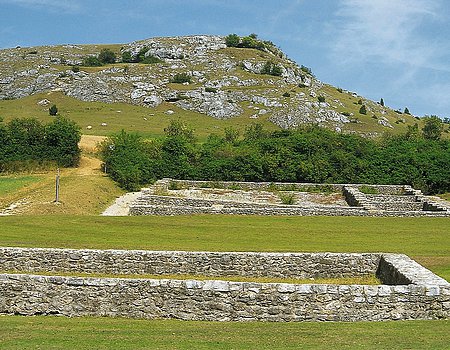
(409, 290)
(389, 200)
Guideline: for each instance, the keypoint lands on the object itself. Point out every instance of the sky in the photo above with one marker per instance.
(398, 50)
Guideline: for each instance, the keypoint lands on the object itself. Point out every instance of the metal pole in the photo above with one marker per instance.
(57, 186)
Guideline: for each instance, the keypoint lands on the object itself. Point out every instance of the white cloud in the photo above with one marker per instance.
(386, 31)
(52, 5)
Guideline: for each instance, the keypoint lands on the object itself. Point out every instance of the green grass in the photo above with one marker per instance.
(10, 184)
(43, 332)
(426, 239)
(445, 196)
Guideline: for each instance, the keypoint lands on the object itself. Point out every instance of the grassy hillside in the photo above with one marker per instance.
(233, 74)
(149, 122)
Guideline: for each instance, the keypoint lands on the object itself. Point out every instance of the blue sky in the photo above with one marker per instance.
(395, 49)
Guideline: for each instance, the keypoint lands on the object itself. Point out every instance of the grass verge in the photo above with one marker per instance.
(45, 332)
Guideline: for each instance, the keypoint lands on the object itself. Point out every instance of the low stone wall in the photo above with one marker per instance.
(425, 297)
(168, 205)
(279, 186)
(290, 265)
(390, 200)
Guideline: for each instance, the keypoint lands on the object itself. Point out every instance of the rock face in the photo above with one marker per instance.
(223, 84)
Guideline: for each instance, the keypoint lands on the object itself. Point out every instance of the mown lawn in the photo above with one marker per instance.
(425, 239)
(42, 332)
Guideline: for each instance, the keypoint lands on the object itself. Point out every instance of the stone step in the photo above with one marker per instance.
(392, 198)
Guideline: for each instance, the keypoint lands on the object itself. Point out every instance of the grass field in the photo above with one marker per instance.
(425, 239)
(115, 333)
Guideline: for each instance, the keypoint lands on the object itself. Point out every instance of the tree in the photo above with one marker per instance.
(406, 111)
(363, 109)
(232, 40)
(382, 102)
(231, 135)
(271, 68)
(126, 57)
(433, 128)
(26, 139)
(62, 136)
(91, 61)
(126, 160)
(53, 110)
(106, 56)
(412, 132)
(249, 42)
(177, 128)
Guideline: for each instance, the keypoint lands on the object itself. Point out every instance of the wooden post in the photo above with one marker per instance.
(57, 187)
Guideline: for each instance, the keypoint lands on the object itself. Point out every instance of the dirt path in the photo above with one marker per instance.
(121, 206)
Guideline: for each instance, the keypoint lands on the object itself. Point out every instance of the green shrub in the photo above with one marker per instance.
(347, 114)
(321, 99)
(286, 94)
(287, 198)
(433, 128)
(106, 56)
(271, 68)
(210, 89)
(360, 102)
(181, 78)
(306, 70)
(150, 59)
(27, 143)
(232, 40)
(75, 69)
(126, 57)
(273, 187)
(174, 186)
(339, 90)
(406, 111)
(368, 189)
(141, 57)
(53, 110)
(91, 61)
(363, 109)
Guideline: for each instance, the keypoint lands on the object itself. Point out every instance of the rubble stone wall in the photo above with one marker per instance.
(426, 297)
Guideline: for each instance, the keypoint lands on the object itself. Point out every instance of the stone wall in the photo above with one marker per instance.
(426, 296)
(390, 200)
(280, 186)
(290, 265)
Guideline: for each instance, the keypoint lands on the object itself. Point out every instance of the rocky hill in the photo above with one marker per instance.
(225, 82)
